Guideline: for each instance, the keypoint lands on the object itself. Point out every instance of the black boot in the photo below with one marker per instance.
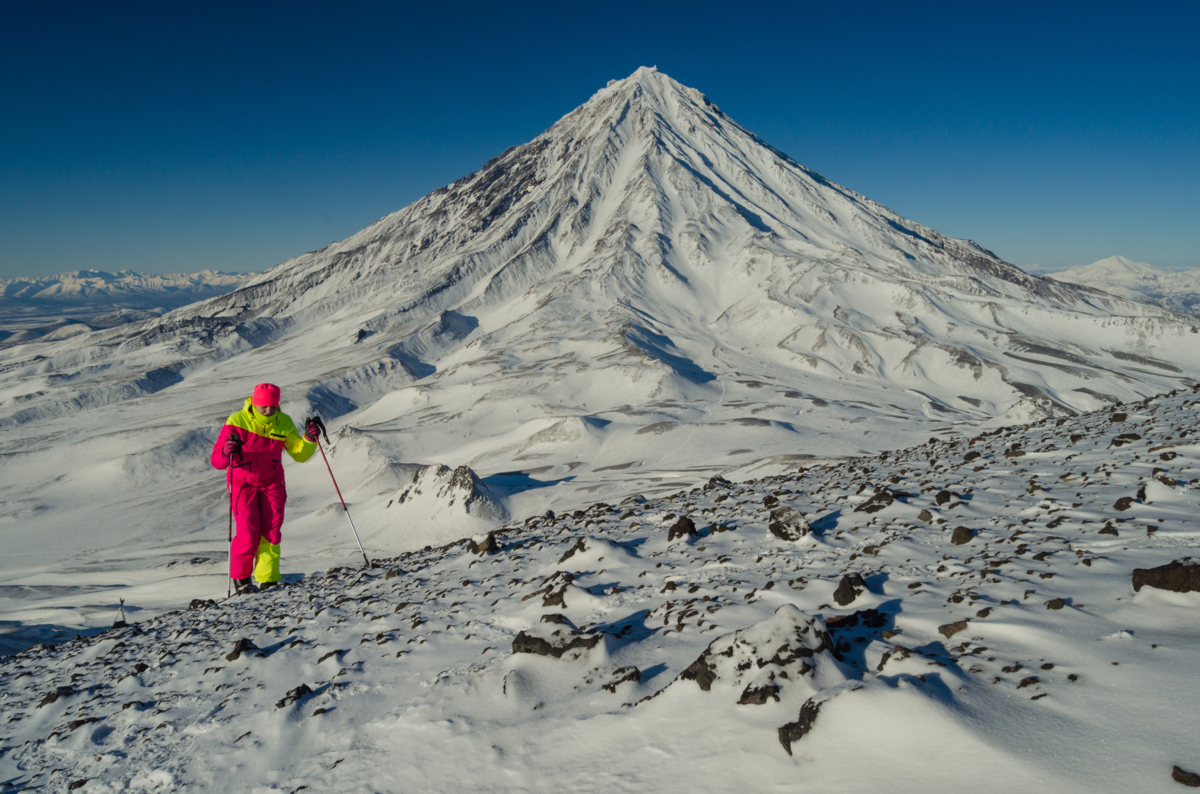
(244, 586)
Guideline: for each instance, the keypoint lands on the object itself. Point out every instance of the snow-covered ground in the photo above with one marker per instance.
(1175, 289)
(950, 615)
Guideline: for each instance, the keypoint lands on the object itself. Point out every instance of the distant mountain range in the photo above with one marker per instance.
(1175, 289)
(121, 290)
(55, 307)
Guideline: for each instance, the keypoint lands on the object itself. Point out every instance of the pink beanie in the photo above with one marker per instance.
(266, 395)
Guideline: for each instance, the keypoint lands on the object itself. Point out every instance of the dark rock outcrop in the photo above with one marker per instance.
(555, 636)
(788, 524)
(850, 588)
(1177, 576)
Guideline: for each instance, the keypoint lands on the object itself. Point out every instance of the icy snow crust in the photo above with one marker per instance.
(642, 297)
(1021, 659)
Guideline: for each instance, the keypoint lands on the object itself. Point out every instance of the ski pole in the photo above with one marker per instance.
(229, 487)
(339, 493)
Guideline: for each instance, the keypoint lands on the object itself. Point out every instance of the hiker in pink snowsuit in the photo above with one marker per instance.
(250, 448)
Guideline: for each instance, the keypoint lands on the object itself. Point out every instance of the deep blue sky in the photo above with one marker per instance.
(165, 137)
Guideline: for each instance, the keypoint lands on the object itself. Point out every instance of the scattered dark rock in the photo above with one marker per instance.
(1109, 531)
(683, 528)
(950, 629)
(972, 455)
(795, 731)
(758, 695)
(242, 646)
(84, 782)
(771, 501)
(337, 652)
(1174, 576)
(554, 589)
(140, 668)
(52, 697)
(1028, 681)
(202, 603)
(391, 574)
(1055, 603)
(961, 536)
(868, 618)
(877, 502)
(293, 695)
(1118, 417)
(925, 516)
(620, 676)
(569, 553)
(788, 524)
(943, 497)
(983, 613)
(81, 722)
(1124, 503)
(1185, 777)
(850, 588)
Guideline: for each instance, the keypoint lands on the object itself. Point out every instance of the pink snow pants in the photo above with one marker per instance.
(258, 511)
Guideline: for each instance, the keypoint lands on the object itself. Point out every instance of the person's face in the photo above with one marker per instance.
(266, 410)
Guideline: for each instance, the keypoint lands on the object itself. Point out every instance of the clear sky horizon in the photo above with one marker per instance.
(169, 138)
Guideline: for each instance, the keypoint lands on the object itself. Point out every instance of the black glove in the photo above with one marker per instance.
(314, 428)
(233, 447)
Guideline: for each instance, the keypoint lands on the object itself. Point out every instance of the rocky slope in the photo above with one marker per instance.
(982, 612)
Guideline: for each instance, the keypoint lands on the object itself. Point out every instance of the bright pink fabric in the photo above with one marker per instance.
(262, 458)
(266, 395)
(258, 511)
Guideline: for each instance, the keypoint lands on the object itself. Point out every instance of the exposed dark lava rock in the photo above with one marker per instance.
(241, 646)
(1177, 576)
(554, 636)
(877, 502)
(1055, 603)
(788, 524)
(569, 553)
(293, 695)
(553, 590)
(486, 546)
(1028, 681)
(869, 618)
(961, 536)
(771, 501)
(759, 695)
(943, 497)
(795, 731)
(950, 629)
(925, 516)
(683, 528)
(850, 588)
(620, 676)
(202, 603)
(761, 659)
(1185, 777)
(1124, 503)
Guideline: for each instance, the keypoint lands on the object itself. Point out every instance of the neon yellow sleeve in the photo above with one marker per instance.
(300, 448)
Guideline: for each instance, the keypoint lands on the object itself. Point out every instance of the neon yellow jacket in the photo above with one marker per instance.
(264, 438)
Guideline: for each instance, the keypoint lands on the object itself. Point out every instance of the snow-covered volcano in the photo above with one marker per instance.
(1175, 289)
(642, 296)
